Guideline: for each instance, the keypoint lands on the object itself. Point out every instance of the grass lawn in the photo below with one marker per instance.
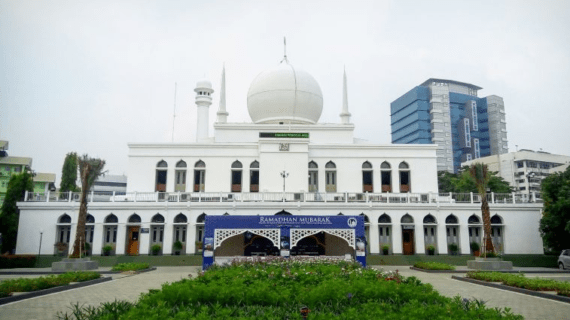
(153, 261)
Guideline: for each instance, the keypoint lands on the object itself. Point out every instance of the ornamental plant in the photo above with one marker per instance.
(33, 284)
(521, 281)
(280, 288)
(433, 266)
(130, 266)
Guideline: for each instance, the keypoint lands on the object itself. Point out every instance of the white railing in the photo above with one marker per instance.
(333, 197)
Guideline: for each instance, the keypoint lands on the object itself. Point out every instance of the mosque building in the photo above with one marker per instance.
(284, 164)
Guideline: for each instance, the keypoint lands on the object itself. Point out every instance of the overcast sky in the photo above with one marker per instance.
(91, 76)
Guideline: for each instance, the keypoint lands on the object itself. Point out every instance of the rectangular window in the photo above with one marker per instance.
(474, 116)
(183, 234)
(477, 150)
(114, 235)
(469, 157)
(381, 231)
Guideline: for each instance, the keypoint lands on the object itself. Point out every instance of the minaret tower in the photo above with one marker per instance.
(344, 115)
(203, 101)
(222, 113)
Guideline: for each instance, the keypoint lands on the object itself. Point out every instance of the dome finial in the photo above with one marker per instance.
(284, 50)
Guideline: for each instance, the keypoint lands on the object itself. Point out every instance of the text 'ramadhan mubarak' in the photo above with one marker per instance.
(294, 220)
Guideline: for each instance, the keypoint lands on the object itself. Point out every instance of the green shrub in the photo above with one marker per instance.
(475, 246)
(34, 284)
(107, 249)
(156, 249)
(278, 288)
(520, 281)
(433, 266)
(177, 245)
(17, 261)
(130, 266)
(453, 247)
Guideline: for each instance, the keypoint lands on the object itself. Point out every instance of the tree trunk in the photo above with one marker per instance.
(81, 220)
(485, 211)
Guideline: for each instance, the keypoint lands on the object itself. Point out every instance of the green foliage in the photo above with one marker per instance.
(555, 222)
(520, 281)
(178, 246)
(69, 173)
(453, 247)
(130, 266)
(33, 284)
(278, 289)
(463, 182)
(17, 261)
(475, 246)
(155, 248)
(434, 266)
(9, 213)
(108, 248)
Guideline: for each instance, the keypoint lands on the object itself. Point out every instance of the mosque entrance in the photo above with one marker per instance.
(408, 241)
(133, 243)
(313, 245)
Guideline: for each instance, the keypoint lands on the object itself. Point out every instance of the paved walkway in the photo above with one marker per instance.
(125, 287)
(528, 306)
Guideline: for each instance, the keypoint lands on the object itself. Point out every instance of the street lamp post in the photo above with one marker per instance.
(40, 249)
(284, 174)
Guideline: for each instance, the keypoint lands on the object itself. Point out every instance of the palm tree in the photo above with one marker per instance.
(90, 169)
(481, 176)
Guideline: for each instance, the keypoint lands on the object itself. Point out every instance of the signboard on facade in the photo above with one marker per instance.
(145, 230)
(285, 135)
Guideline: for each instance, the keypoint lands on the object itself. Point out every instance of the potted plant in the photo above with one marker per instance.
(107, 250)
(178, 247)
(198, 246)
(431, 249)
(475, 247)
(155, 249)
(453, 249)
(87, 248)
(61, 248)
(385, 249)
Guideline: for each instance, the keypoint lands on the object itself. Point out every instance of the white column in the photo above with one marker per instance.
(464, 245)
(397, 238)
(374, 240)
(442, 238)
(419, 238)
(97, 245)
(191, 238)
(121, 239)
(72, 233)
(168, 238)
(144, 239)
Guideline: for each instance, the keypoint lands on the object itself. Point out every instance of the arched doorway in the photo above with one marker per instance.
(133, 232)
(407, 223)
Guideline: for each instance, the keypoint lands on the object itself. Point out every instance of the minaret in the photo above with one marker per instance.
(203, 101)
(222, 113)
(344, 115)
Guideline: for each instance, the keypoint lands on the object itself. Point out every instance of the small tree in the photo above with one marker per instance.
(555, 222)
(90, 169)
(69, 173)
(9, 213)
(481, 176)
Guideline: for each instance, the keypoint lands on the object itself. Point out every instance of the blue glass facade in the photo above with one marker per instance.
(410, 123)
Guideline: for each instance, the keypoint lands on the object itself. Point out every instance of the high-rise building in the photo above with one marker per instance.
(450, 114)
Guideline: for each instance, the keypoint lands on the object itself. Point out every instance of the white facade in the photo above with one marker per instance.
(525, 169)
(278, 163)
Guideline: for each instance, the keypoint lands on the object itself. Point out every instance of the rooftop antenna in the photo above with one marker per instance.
(174, 112)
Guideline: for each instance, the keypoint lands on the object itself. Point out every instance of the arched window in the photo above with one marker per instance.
(451, 219)
(367, 185)
(161, 173)
(157, 218)
(340, 214)
(90, 219)
(386, 176)
(134, 218)
(180, 218)
(111, 219)
(180, 176)
(313, 177)
(254, 177)
(236, 176)
(496, 219)
(65, 219)
(429, 219)
(226, 214)
(330, 176)
(384, 218)
(201, 218)
(474, 220)
(199, 176)
(405, 185)
(283, 213)
(200, 228)
(366, 220)
(407, 219)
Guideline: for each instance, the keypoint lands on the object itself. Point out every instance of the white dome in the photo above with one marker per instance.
(204, 84)
(284, 94)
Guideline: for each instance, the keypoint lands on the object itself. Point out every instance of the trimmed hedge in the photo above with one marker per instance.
(520, 281)
(17, 261)
(433, 266)
(33, 284)
(132, 266)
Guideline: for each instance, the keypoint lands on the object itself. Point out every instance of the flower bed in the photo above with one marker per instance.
(520, 281)
(130, 266)
(281, 288)
(34, 284)
(433, 266)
